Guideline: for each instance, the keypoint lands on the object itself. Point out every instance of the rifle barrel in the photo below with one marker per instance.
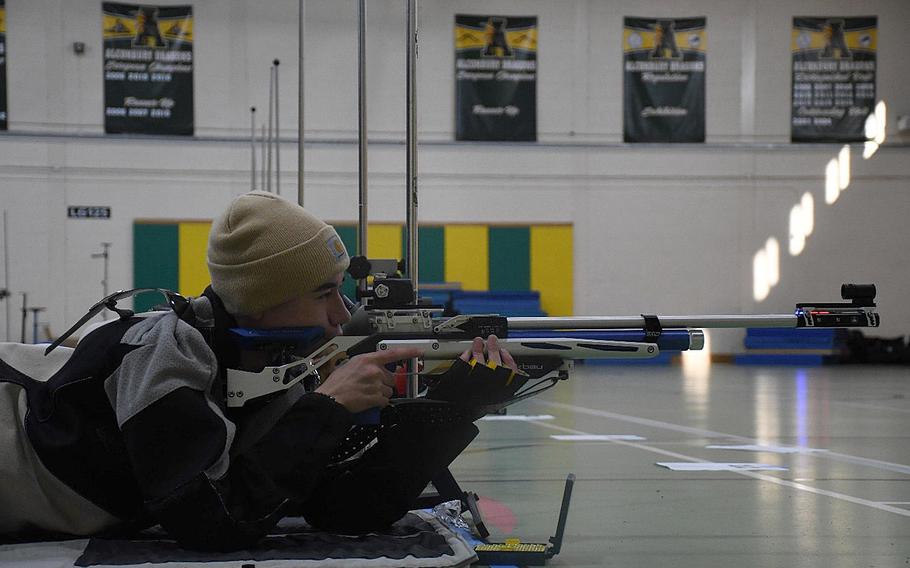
(627, 322)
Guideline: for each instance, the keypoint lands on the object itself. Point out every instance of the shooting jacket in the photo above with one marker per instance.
(132, 431)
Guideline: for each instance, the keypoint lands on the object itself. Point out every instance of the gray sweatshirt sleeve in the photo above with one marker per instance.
(178, 442)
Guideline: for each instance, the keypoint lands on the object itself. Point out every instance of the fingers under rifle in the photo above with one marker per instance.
(493, 351)
(477, 350)
(508, 360)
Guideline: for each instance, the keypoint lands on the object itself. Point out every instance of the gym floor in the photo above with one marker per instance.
(842, 501)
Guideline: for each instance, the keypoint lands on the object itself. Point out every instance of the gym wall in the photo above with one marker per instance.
(657, 228)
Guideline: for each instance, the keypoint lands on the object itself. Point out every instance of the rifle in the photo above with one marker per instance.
(544, 348)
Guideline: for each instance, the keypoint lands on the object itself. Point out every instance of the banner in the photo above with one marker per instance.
(664, 80)
(3, 122)
(495, 78)
(833, 78)
(148, 69)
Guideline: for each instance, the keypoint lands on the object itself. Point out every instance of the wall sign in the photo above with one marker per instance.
(833, 88)
(495, 78)
(664, 63)
(148, 69)
(88, 212)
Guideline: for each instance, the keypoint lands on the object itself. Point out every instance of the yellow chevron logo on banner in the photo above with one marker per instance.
(634, 39)
(861, 40)
(117, 26)
(469, 38)
(177, 29)
(2, 20)
(474, 38)
(524, 38)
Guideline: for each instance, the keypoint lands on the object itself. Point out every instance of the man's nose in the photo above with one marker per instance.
(339, 314)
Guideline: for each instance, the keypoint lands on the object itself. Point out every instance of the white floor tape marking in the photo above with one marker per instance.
(847, 458)
(769, 449)
(752, 474)
(515, 417)
(720, 466)
(595, 437)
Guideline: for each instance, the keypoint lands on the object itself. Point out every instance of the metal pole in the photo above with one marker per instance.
(6, 291)
(35, 311)
(107, 257)
(24, 315)
(252, 148)
(277, 135)
(268, 175)
(362, 128)
(104, 254)
(262, 172)
(411, 169)
(411, 135)
(300, 19)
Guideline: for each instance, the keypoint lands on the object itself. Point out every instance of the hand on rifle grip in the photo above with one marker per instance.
(364, 382)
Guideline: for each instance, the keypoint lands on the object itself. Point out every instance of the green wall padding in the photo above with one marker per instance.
(510, 258)
(157, 245)
(431, 254)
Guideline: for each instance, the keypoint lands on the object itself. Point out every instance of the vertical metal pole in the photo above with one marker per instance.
(411, 167)
(300, 18)
(362, 128)
(104, 255)
(104, 282)
(6, 274)
(35, 312)
(262, 172)
(277, 135)
(252, 148)
(411, 135)
(268, 175)
(24, 315)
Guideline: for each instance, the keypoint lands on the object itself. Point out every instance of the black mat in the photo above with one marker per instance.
(293, 540)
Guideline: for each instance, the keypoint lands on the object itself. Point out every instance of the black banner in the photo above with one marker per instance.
(664, 79)
(148, 69)
(495, 78)
(3, 122)
(833, 78)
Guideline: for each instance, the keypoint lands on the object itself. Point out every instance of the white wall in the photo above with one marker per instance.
(659, 228)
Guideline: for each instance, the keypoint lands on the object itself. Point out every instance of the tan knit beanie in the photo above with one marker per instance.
(264, 251)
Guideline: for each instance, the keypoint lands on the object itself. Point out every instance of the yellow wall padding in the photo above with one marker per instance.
(193, 274)
(383, 241)
(551, 268)
(466, 254)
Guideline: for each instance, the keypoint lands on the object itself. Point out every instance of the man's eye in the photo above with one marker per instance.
(328, 294)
